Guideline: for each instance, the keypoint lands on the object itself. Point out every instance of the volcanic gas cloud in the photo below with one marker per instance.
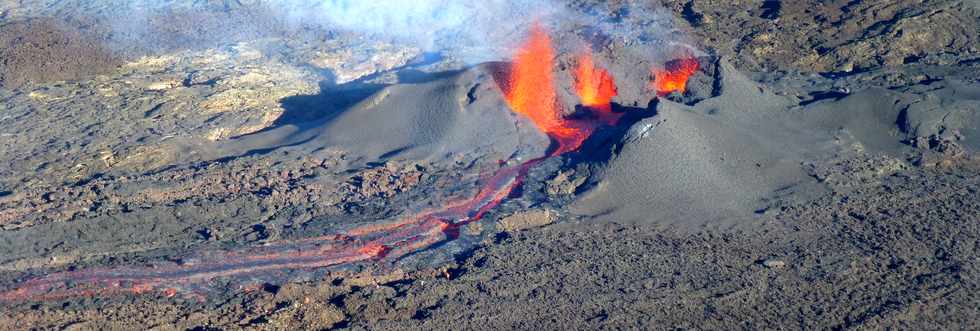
(529, 90)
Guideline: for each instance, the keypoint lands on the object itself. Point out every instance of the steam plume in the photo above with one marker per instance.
(468, 26)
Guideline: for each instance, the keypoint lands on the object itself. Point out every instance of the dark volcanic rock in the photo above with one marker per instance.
(834, 36)
(43, 50)
(898, 253)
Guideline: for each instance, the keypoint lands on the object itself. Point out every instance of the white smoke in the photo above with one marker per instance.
(462, 26)
(470, 30)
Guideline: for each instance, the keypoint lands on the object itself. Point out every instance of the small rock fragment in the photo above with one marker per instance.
(773, 264)
(565, 184)
(527, 220)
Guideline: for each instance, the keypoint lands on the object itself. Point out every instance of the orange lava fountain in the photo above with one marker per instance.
(531, 91)
(595, 88)
(674, 76)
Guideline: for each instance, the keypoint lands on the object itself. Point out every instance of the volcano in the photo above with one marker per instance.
(489, 112)
(500, 165)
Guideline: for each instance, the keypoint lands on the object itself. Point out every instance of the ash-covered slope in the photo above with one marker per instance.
(724, 158)
(702, 163)
(461, 118)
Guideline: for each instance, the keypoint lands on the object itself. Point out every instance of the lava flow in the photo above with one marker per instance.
(529, 90)
(674, 76)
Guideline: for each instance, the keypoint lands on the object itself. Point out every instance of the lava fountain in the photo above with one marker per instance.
(595, 88)
(674, 76)
(529, 90)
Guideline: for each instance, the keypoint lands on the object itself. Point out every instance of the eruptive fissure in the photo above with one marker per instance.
(594, 85)
(529, 90)
(596, 88)
(674, 76)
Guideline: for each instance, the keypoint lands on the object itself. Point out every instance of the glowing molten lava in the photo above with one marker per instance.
(674, 76)
(531, 91)
(595, 88)
(594, 85)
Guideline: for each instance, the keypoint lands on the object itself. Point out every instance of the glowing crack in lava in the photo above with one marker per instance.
(529, 91)
(674, 76)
